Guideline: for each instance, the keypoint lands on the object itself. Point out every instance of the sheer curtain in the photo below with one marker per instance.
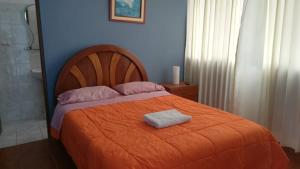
(251, 69)
(267, 83)
(212, 36)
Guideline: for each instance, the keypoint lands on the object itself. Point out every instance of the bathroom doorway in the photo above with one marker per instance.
(22, 105)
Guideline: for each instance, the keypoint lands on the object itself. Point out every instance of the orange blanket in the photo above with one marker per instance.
(115, 137)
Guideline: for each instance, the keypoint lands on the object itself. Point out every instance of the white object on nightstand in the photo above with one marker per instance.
(176, 74)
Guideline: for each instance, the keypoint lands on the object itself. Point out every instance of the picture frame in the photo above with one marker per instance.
(132, 11)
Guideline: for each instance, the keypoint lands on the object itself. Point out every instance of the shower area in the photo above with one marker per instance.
(22, 107)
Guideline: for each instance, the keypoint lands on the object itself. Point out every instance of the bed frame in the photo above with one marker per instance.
(101, 65)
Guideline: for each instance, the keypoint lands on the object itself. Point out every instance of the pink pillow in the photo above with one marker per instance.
(137, 87)
(87, 94)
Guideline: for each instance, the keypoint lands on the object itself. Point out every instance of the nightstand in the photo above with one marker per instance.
(183, 89)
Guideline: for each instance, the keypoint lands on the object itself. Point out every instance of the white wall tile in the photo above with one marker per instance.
(20, 35)
(6, 34)
(5, 58)
(12, 114)
(22, 57)
(5, 15)
(8, 72)
(21, 95)
(23, 72)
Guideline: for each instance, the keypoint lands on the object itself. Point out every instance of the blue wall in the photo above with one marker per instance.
(71, 25)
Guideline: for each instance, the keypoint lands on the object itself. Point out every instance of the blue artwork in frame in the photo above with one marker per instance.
(127, 10)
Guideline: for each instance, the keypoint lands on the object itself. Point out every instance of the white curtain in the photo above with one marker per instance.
(267, 83)
(251, 69)
(212, 36)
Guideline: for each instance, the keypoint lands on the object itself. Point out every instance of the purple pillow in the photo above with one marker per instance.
(87, 94)
(137, 87)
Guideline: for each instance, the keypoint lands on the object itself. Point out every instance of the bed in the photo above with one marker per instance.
(111, 134)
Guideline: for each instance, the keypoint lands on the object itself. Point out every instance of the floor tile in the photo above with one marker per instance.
(7, 140)
(23, 132)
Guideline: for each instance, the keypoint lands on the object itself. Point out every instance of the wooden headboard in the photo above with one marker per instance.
(102, 65)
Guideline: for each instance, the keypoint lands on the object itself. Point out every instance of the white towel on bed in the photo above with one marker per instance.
(166, 118)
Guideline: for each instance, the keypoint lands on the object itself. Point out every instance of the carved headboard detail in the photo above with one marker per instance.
(102, 65)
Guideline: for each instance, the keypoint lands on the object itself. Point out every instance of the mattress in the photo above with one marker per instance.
(114, 136)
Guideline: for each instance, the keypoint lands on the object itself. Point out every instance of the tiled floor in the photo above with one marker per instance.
(23, 132)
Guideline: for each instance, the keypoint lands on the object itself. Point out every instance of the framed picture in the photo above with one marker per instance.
(128, 10)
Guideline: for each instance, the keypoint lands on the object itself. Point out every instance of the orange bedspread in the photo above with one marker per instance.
(115, 137)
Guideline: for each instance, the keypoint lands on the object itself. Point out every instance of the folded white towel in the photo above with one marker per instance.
(166, 118)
